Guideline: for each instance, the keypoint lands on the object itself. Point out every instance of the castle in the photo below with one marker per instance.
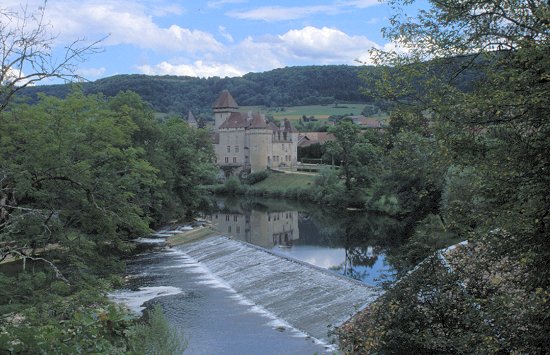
(247, 143)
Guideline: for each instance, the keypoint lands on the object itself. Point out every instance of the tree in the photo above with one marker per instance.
(26, 52)
(498, 130)
(346, 134)
(491, 139)
(359, 154)
(75, 177)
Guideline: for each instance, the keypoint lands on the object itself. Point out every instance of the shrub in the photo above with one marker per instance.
(233, 186)
(155, 336)
(256, 177)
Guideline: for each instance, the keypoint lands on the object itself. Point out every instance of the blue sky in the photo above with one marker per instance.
(216, 37)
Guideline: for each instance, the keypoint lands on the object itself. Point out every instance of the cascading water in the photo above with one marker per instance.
(310, 299)
(257, 292)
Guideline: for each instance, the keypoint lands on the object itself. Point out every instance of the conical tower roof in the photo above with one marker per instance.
(191, 118)
(257, 122)
(225, 101)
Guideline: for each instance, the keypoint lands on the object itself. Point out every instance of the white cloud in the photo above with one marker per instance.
(187, 51)
(256, 56)
(360, 4)
(295, 47)
(126, 22)
(223, 32)
(325, 44)
(197, 69)
(91, 73)
(278, 13)
(164, 10)
(221, 3)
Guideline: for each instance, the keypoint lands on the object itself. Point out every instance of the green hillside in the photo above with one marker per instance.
(293, 86)
(332, 86)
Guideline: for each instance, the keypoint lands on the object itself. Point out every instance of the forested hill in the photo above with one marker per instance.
(290, 86)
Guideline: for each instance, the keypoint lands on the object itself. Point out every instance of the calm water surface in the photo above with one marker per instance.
(350, 243)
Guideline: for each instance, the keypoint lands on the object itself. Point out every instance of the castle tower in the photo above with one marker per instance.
(259, 137)
(292, 135)
(223, 107)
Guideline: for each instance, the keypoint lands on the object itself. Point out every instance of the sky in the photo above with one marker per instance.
(215, 37)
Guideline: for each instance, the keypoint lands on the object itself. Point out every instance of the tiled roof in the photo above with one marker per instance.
(225, 100)
(309, 138)
(368, 122)
(235, 120)
(257, 122)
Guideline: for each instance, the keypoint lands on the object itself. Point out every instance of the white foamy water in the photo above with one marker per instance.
(159, 241)
(209, 279)
(303, 299)
(134, 300)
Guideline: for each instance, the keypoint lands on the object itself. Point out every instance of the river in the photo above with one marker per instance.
(217, 319)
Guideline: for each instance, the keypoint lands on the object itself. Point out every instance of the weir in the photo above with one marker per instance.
(310, 299)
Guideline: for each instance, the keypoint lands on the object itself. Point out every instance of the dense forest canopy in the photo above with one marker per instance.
(280, 87)
(291, 86)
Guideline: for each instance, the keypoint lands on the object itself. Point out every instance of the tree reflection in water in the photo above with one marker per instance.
(353, 243)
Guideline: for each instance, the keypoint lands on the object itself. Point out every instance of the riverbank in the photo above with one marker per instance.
(267, 184)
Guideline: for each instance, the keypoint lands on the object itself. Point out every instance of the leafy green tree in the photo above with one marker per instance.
(72, 176)
(81, 177)
(186, 161)
(358, 156)
(490, 139)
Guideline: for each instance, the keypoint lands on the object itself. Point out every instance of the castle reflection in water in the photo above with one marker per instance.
(263, 228)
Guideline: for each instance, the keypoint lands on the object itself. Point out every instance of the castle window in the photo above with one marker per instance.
(227, 159)
(235, 218)
(227, 218)
(234, 159)
(229, 149)
(236, 149)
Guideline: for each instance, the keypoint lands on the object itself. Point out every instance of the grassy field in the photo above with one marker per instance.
(278, 181)
(294, 113)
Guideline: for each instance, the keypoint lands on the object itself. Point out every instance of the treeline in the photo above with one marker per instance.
(81, 177)
(291, 86)
(280, 87)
